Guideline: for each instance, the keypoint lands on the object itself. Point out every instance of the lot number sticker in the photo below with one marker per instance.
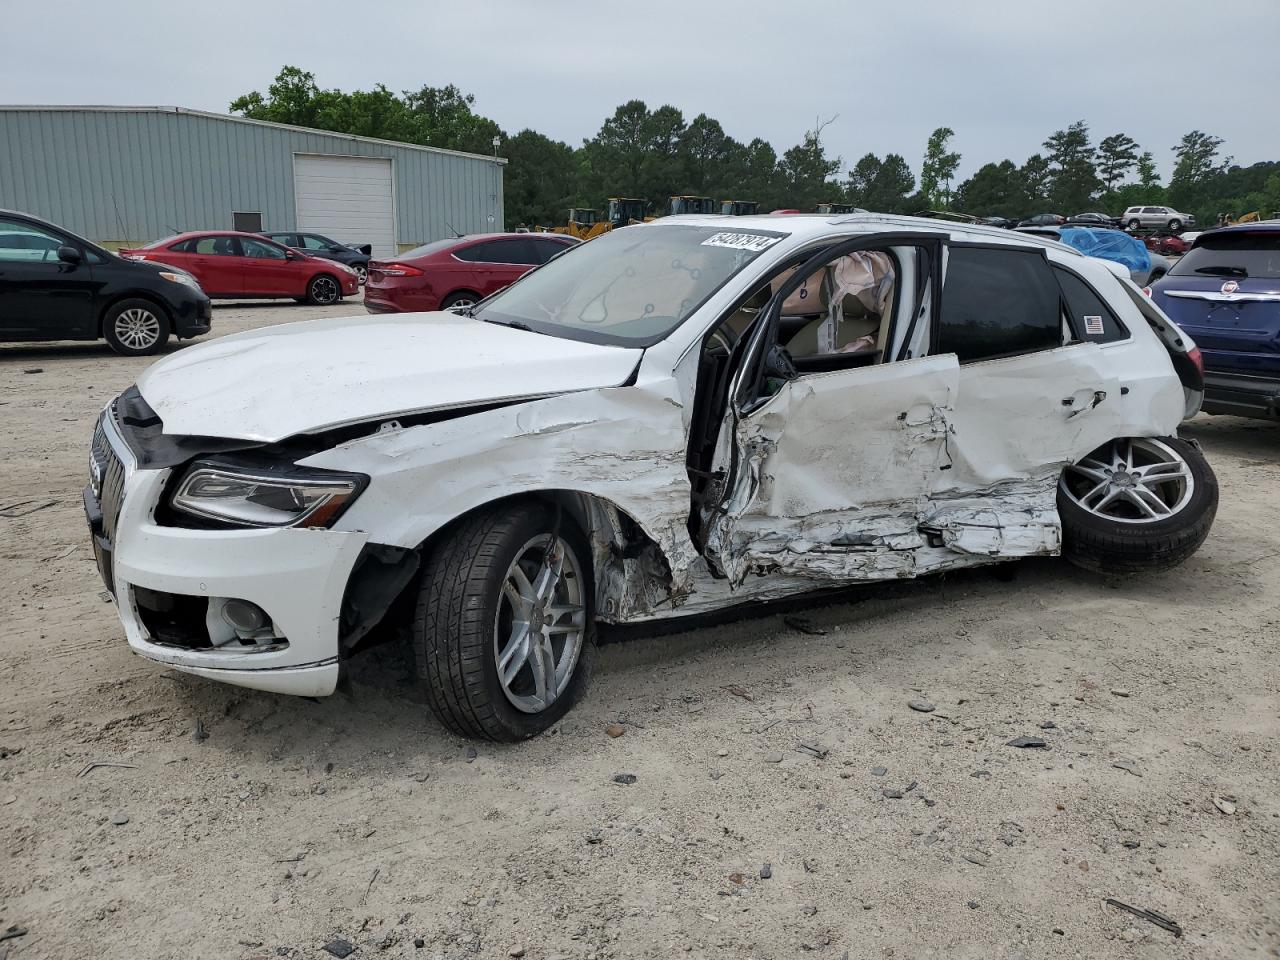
(751, 242)
(1093, 326)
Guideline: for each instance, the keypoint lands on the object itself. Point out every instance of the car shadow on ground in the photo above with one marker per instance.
(1234, 436)
(382, 704)
(80, 350)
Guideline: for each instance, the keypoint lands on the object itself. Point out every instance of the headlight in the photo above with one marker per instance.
(296, 499)
(180, 278)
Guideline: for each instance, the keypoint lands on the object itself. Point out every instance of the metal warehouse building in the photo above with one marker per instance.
(127, 175)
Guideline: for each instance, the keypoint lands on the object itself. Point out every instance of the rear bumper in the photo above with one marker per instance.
(1241, 395)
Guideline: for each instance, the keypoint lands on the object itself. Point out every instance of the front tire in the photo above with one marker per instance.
(503, 628)
(1137, 504)
(1175, 225)
(1134, 224)
(135, 328)
(323, 290)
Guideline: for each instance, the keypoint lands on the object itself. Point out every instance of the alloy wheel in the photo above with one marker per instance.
(1131, 480)
(137, 328)
(461, 304)
(324, 290)
(541, 623)
(362, 274)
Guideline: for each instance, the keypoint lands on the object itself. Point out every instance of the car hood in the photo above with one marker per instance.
(265, 385)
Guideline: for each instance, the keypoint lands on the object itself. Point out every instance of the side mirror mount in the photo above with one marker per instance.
(290, 255)
(71, 255)
(336, 248)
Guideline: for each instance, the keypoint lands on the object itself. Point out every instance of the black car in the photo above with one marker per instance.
(1094, 220)
(1043, 220)
(55, 285)
(1005, 223)
(318, 245)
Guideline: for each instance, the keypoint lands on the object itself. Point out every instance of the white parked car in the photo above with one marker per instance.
(675, 417)
(1165, 218)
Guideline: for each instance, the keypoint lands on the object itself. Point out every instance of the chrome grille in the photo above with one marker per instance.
(106, 477)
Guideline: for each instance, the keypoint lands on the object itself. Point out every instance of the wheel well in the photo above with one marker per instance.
(630, 571)
(466, 290)
(133, 295)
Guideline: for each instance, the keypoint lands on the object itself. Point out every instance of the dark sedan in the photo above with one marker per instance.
(318, 245)
(1093, 220)
(55, 285)
(1043, 220)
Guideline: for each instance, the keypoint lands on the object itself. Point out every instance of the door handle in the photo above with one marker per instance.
(1097, 398)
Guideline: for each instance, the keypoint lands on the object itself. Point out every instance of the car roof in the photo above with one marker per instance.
(1257, 226)
(804, 227)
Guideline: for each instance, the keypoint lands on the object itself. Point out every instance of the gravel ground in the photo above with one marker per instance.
(787, 799)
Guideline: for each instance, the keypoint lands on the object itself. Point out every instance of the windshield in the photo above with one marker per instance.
(1238, 255)
(631, 286)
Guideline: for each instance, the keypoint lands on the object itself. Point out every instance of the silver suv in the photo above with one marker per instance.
(1136, 217)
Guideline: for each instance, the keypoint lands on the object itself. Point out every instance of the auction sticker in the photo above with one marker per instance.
(751, 242)
(1093, 326)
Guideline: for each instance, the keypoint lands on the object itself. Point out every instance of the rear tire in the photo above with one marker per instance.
(135, 328)
(475, 618)
(461, 300)
(1135, 543)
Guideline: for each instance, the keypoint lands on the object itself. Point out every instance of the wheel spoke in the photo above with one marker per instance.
(1098, 474)
(549, 576)
(516, 654)
(520, 580)
(1149, 502)
(1095, 492)
(542, 661)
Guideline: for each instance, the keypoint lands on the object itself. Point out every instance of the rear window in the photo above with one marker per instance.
(429, 248)
(1238, 255)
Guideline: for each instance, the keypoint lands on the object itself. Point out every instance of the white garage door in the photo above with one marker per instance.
(348, 199)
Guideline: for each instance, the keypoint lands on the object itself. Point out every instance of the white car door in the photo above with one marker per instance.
(1027, 404)
(828, 473)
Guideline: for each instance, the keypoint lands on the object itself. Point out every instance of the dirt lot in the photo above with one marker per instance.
(252, 825)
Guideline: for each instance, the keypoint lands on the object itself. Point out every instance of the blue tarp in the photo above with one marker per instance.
(1109, 245)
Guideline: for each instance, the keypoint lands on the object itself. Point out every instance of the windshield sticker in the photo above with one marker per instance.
(1093, 326)
(740, 241)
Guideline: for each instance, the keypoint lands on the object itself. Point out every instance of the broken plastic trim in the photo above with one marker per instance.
(379, 577)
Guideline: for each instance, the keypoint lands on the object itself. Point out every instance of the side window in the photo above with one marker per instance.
(1090, 317)
(996, 303)
(311, 242)
(494, 251)
(544, 250)
(261, 250)
(213, 246)
(24, 243)
(840, 315)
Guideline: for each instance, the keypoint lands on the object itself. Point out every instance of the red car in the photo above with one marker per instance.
(457, 273)
(231, 265)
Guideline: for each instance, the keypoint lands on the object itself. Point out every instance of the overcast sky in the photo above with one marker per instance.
(1002, 73)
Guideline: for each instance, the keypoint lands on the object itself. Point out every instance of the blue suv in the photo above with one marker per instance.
(1225, 293)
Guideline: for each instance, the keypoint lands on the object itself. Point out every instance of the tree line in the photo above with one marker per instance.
(653, 154)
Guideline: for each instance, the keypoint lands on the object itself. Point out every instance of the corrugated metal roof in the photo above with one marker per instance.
(107, 108)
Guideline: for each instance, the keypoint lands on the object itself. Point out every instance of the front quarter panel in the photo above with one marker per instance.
(625, 445)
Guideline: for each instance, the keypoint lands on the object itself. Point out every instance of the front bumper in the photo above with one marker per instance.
(297, 576)
(1241, 395)
(193, 317)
